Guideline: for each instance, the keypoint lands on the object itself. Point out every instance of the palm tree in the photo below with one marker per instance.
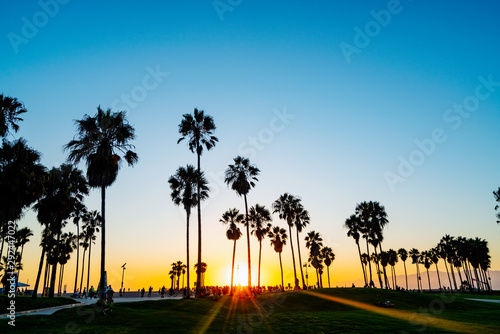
(301, 221)
(328, 257)
(393, 259)
(10, 110)
(99, 141)
(374, 241)
(314, 242)
(496, 194)
(446, 243)
(199, 130)
(434, 254)
(230, 218)
(353, 225)
(93, 221)
(242, 176)
(403, 255)
(384, 261)
(64, 190)
(427, 257)
(85, 240)
(441, 248)
(287, 206)
(77, 216)
(415, 257)
(21, 181)
(202, 272)
(22, 237)
(68, 244)
(278, 239)
(7, 268)
(184, 186)
(259, 216)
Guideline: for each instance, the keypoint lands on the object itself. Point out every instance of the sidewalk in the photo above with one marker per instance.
(82, 302)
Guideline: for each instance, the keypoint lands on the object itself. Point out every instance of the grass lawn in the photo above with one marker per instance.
(318, 311)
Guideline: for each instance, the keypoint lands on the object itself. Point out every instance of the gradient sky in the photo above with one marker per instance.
(351, 119)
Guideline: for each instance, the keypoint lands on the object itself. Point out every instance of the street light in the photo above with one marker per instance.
(123, 274)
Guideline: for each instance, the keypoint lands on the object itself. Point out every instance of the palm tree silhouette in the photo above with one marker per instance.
(446, 245)
(287, 206)
(22, 237)
(10, 110)
(198, 129)
(184, 185)
(99, 141)
(403, 255)
(85, 240)
(77, 216)
(202, 272)
(301, 221)
(259, 216)
(328, 257)
(496, 194)
(21, 181)
(242, 176)
(441, 248)
(353, 225)
(68, 244)
(415, 257)
(434, 254)
(314, 242)
(278, 238)
(427, 258)
(92, 222)
(393, 259)
(230, 218)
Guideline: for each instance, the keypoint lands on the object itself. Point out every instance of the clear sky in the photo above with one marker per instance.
(335, 102)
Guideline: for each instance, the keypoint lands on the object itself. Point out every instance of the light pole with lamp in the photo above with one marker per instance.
(123, 274)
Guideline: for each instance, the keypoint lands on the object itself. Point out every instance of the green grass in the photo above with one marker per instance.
(24, 303)
(277, 313)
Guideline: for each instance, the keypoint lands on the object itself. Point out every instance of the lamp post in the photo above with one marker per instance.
(123, 274)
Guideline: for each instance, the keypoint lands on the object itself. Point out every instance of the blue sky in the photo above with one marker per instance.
(350, 119)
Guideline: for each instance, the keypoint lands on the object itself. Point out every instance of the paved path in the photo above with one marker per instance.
(485, 300)
(82, 302)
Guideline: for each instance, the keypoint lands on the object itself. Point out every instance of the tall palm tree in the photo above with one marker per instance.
(184, 185)
(259, 216)
(415, 257)
(242, 177)
(314, 242)
(99, 141)
(21, 180)
(230, 218)
(353, 225)
(374, 241)
(427, 258)
(328, 257)
(10, 110)
(278, 238)
(198, 129)
(92, 223)
(393, 259)
(434, 254)
(85, 240)
(22, 237)
(301, 221)
(68, 244)
(77, 216)
(64, 191)
(441, 248)
(384, 261)
(446, 243)
(286, 206)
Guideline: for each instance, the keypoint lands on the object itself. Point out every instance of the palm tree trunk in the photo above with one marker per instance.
(406, 275)
(369, 262)
(328, 271)
(378, 269)
(260, 251)
(418, 277)
(83, 271)
(198, 272)
(446, 266)
(453, 276)
(300, 263)
(232, 267)
(281, 267)
(318, 284)
(439, 279)
(428, 279)
(460, 275)
(188, 290)
(20, 261)
(77, 252)
(1, 249)
(362, 265)
(477, 280)
(102, 298)
(248, 243)
(293, 258)
(45, 275)
(54, 269)
(88, 265)
(40, 268)
(385, 273)
(61, 273)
